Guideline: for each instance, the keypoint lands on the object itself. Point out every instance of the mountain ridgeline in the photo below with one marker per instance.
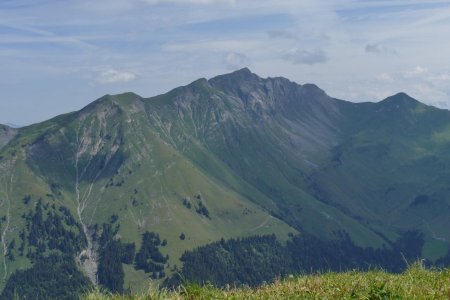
(141, 187)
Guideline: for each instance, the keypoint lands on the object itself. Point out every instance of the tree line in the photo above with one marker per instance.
(258, 259)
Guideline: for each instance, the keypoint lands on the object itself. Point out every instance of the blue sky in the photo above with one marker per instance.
(58, 55)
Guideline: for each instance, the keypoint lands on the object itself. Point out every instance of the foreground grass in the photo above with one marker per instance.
(415, 283)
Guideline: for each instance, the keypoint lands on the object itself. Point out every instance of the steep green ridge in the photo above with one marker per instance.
(107, 159)
(229, 157)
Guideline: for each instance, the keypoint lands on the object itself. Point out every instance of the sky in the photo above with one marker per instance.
(57, 56)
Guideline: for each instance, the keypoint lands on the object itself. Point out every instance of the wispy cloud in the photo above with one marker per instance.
(385, 77)
(196, 2)
(417, 71)
(282, 34)
(26, 34)
(307, 57)
(111, 76)
(236, 60)
(379, 49)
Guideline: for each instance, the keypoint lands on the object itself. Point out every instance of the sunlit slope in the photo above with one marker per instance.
(108, 160)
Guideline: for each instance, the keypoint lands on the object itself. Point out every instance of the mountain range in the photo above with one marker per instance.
(233, 156)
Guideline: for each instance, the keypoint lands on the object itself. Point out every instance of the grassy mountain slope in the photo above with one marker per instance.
(108, 160)
(271, 133)
(236, 155)
(390, 172)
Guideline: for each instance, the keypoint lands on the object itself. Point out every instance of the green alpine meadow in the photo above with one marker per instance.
(229, 183)
(415, 283)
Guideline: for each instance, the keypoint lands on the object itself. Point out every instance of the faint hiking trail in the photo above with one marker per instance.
(433, 234)
(264, 223)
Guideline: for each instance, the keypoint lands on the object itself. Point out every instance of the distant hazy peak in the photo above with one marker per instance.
(11, 125)
(7, 128)
(311, 88)
(236, 77)
(400, 99)
(245, 76)
(243, 72)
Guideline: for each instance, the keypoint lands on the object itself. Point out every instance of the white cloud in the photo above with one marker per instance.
(308, 57)
(385, 77)
(379, 49)
(282, 34)
(443, 77)
(114, 76)
(236, 60)
(214, 45)
(418, 70)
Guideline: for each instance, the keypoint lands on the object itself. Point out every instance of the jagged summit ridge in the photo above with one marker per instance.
(244, 84)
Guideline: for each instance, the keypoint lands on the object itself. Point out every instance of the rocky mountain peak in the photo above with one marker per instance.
(399, 100)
